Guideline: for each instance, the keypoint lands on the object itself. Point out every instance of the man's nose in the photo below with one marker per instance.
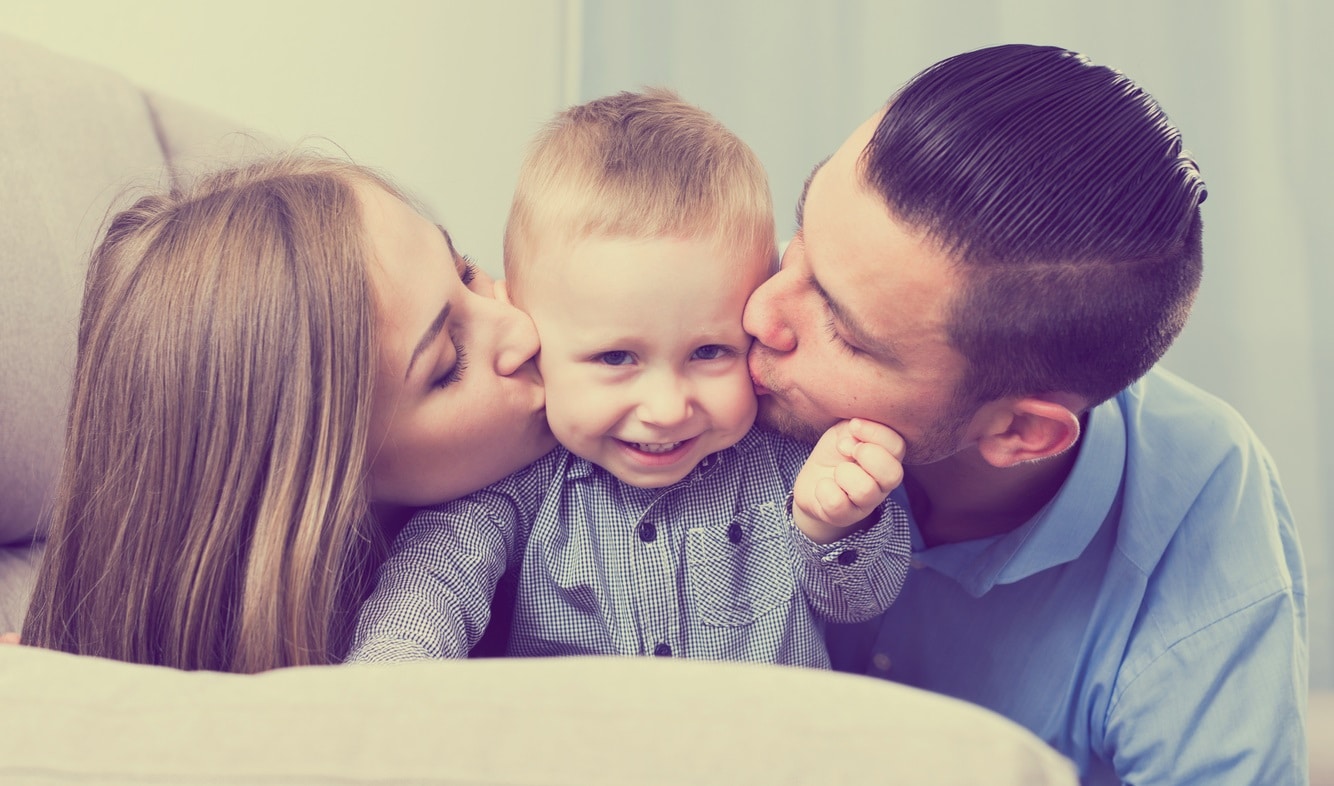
(764, 318)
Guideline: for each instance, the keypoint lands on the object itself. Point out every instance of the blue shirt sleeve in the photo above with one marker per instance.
(1216, 690)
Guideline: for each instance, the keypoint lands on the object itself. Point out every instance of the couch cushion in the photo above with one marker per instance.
(71, 719)
(73, 136)
(18, 570)
(70, 136)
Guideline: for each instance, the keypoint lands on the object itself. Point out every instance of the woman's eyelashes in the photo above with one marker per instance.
(469, 270)
(455, 371)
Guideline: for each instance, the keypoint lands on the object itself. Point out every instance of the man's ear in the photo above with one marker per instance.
(1015, 431)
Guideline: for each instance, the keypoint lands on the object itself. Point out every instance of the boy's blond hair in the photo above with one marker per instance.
(637, 165)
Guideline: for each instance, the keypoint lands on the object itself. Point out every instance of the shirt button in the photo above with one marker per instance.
(847, 557)
(734, 532)
(648, 532)
(881, 662)
(663, 651)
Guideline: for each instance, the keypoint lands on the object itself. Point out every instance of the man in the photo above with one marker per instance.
(991, 266)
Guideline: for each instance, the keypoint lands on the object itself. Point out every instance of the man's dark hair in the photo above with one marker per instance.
(1062, 192)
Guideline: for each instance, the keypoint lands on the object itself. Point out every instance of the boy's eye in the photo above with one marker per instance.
(616, 357)
(711, 352)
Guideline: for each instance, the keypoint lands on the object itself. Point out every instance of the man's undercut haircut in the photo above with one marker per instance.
(1062, 191)
(639, 166)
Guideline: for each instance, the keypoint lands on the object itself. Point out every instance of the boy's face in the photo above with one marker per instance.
(643, 354)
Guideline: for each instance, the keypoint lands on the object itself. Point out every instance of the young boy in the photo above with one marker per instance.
(663, 526)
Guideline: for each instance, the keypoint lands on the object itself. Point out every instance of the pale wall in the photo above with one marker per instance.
(441, 95)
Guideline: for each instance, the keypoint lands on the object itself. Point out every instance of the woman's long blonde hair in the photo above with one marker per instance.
(211, 511)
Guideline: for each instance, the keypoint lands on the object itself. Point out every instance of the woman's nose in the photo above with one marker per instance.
(764, 316)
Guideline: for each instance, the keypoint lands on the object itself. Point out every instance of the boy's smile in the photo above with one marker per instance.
(643, 354)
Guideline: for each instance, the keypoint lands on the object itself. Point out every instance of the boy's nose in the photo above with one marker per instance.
(664, 405)
(516, 338)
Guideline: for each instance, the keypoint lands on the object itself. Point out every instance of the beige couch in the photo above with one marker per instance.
(72, 137)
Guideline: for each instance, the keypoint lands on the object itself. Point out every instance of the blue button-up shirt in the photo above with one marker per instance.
(710, 567)
(1150, 622)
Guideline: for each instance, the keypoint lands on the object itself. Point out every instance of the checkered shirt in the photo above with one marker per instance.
(710, 567)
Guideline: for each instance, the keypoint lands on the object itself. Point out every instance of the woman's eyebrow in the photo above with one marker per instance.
(437, 324)
(428, 337)
(454, 256)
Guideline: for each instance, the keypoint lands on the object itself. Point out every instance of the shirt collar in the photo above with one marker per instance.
(1059, 532)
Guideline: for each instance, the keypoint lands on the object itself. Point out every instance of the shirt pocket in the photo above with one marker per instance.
(739, 572)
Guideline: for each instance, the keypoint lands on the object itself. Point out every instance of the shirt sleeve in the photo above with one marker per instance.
(1224, 703)
(1224, 706)
(855, 578)
(433, 595)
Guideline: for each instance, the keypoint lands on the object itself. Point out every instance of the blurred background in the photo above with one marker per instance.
(443, 95)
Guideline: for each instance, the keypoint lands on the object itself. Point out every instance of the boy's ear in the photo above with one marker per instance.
(1015, 431)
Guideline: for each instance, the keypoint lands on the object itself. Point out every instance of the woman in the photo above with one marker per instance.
(274, 368)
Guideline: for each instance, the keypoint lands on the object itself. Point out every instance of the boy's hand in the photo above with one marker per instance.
(852, 469)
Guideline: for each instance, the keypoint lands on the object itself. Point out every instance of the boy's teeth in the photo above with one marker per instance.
(656, 447)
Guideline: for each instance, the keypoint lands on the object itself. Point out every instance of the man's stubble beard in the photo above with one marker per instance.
(943, 440)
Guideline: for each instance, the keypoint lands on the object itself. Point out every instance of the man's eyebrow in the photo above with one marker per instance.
(801, 200)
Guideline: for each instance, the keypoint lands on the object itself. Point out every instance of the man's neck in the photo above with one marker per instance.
(964, 498)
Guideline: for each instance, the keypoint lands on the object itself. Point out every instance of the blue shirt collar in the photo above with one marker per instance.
(1059, 532)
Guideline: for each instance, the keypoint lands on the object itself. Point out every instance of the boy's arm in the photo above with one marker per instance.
(851, 542)
(433, 595)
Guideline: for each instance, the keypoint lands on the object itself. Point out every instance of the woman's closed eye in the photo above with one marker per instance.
(455, 372)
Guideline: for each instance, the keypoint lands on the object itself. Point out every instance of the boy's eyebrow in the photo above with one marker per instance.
(801, 200)
(437, 324)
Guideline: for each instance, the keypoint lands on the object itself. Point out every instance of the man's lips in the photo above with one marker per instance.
(760, 389)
